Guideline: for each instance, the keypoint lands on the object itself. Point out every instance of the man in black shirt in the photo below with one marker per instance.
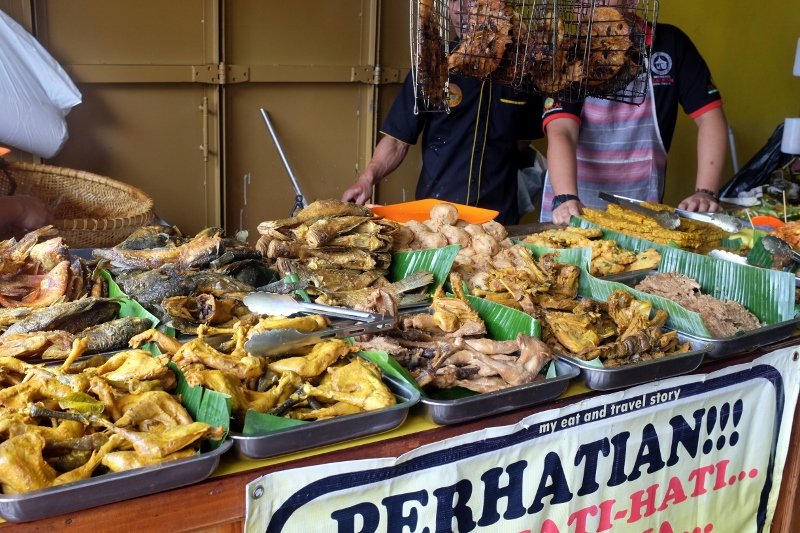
(469, 155)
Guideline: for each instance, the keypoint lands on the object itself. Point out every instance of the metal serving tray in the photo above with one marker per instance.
(480, 405)
(747, 341)
(110, 488)
(323, 432)
(728, 346)
(603, 379)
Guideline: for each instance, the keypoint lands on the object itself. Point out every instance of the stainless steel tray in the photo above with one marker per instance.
(110, 488)
(747, 341)
(460, 410)
(323, 432)
(637, 373)
(728, 346)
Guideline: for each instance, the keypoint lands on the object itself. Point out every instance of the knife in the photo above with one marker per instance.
(665, 219)
(727, 223)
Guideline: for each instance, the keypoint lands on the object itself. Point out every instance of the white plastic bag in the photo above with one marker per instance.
(35, 93)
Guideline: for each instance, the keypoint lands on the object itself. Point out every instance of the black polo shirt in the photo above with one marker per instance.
(679, 76)
(469, 155)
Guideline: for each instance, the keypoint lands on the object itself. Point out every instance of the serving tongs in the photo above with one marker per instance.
(777, 246)
(278, 341)
(725, 222)
(665, 219)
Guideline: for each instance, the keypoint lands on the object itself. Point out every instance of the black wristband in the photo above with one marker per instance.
(711, 193)
(561, 198)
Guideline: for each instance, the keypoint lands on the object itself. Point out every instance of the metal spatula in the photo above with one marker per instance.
(776, 245)
(725, 222)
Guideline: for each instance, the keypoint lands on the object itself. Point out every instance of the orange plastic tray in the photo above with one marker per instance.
(420, 210)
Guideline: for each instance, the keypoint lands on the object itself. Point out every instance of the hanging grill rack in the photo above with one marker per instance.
(430, 30)
(569, 50)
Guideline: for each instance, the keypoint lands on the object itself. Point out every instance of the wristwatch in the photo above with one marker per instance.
(561, 198)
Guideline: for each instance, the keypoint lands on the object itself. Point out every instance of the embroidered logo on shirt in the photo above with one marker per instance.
(661, 64)
(456, 95)
(661, 67)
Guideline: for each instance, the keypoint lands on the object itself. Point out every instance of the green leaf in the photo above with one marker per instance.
(257, 424)
(130, 307)
(439, 261)
(503, 323)
(762, 291)
(211, 407)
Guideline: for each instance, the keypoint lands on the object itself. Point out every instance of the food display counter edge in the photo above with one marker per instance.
(217, 504)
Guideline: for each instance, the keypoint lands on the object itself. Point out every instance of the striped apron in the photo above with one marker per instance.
(619, 151)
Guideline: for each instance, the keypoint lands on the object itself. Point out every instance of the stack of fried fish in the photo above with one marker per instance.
(187, 281)
(48, 299)
(337, 247)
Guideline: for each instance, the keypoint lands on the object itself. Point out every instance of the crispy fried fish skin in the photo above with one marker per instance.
(68, 316)
(333, 279)
(314, 211)
(324, 230)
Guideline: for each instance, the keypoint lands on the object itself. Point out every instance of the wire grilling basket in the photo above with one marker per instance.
(569, 50)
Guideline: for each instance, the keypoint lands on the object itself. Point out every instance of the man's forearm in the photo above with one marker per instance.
(562, 166)
(712, 142)
(388, 155)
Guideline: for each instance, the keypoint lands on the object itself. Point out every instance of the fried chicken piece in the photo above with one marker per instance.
(121, 461)
(22, 467)
(322, 355)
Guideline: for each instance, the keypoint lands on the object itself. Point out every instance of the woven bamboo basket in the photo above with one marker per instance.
(90, 211)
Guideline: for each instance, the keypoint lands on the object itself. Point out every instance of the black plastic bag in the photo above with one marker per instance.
(757, 171)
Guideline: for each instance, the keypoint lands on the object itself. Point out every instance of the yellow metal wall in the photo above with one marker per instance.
(750, 47)
(142, 118)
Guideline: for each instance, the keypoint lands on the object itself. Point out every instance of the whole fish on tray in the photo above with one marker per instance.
(199, 251)
(114, 334)
(68, 316)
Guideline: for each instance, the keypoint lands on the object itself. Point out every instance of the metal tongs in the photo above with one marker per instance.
(277, 341)
(727, 223)
(776, 245)
(665, 219)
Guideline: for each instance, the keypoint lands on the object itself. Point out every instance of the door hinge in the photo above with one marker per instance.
(220, 74)
(374, 75)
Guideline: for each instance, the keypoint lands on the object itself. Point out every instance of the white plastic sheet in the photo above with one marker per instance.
(35, 93)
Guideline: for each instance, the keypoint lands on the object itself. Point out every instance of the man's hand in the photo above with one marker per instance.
(700, 202)
(359, 192)
(24, 212)
(563, 212)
